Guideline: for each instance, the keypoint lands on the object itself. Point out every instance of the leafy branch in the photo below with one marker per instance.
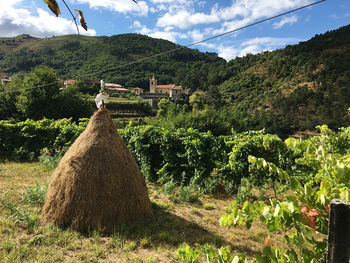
(53, 6)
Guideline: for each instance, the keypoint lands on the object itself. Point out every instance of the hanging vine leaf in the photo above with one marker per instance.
(82, 20)
(52, 4)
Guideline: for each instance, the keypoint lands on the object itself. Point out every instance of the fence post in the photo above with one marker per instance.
(339, 232)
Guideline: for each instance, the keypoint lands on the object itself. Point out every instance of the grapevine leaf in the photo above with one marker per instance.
(291, 207)
(235, 259)
(294, 183)
(277, 210)
(248, 223)
(245, 206)
(267, 251)
(266, 212)
(82, 19)
(52, 4)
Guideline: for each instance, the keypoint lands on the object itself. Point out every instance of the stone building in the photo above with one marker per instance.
(171, 89)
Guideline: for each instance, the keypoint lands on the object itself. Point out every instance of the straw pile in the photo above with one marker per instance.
(97, 184)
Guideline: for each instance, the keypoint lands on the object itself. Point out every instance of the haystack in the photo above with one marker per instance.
(97, 184)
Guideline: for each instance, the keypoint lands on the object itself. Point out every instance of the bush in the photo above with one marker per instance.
(25, 140)
(257, 144)
(180, 156)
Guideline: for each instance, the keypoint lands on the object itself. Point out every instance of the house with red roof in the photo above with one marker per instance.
(109, 87)
(5, 78)
(171, 89)
(137, 90)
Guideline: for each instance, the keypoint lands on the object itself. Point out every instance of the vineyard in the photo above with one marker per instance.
(302, 175)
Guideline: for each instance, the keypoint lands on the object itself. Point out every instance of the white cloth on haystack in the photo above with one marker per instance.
(101, 97)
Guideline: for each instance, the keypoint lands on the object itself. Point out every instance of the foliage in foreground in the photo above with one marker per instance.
(301, 216)
(314, 171)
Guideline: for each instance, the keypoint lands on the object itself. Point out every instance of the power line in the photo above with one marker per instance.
(178, 48)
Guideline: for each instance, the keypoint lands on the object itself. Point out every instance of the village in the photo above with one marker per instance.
(155, 93)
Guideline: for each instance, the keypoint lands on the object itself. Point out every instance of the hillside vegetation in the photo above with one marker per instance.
(72, 56)
(297, 87)
(291, 89)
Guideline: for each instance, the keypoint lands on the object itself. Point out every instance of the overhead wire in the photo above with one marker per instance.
(175, 49)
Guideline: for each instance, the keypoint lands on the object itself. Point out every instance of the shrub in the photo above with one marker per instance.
(25, 140)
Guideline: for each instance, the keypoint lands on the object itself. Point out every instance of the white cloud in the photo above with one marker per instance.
(238, 14)
(269, 42)
(16, 21)
(286, 20)
(166, 34)
(137, 24)
(252, 46)
(158, 8)
(120, 6)
(231, 25)
(196, 35)
(227, 52)
(185, 19)
(171, 36)
(173, 5)
(169, 1)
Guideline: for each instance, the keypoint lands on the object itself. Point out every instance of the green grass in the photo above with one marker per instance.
(24, 239)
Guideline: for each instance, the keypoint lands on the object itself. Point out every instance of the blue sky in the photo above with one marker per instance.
(183, 21)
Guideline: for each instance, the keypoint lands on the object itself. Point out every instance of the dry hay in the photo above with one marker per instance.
(97, 184)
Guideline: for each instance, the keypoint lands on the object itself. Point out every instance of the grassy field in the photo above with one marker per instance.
(24, 239)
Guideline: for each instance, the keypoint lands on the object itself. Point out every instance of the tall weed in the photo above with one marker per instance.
(186, 194)
(25, 218)
(35, 194)
(49, 161)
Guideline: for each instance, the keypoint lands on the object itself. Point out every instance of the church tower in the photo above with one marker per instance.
(152, 85)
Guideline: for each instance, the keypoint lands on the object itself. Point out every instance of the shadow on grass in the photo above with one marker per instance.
(167, 229)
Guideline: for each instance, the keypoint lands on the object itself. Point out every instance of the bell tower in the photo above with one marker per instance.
(152, 85)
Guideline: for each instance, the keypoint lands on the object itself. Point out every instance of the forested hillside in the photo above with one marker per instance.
(73, 56)
(298, 87)
(286, 90)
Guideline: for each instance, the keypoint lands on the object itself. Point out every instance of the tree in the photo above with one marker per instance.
(41, 94)
(163, 107)
(8, 95)
(197, 100)
(70, 103)
(37, 93)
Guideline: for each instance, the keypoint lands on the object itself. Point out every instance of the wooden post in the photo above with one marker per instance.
(339, 232)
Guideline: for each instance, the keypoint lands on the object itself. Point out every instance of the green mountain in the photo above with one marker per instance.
(75, 57)
(285, 90)
(294, 88)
